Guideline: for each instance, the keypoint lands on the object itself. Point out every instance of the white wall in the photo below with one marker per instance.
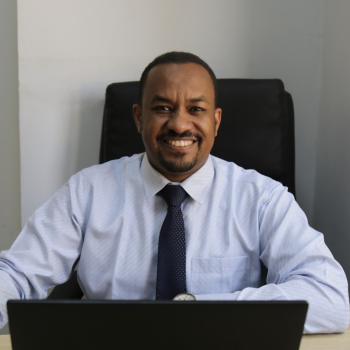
(70, 50)
(332, 181)
(9, 133)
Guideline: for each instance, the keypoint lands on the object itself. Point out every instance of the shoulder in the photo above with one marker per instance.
(243, 179)
(114, 167)
(109, 172)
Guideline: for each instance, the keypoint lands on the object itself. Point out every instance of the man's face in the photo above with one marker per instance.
(178, 120)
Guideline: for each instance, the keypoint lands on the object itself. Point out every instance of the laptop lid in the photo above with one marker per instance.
(84, 324)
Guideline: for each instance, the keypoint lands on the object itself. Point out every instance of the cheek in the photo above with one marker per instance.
(153, 129)
(206, 128)
(149, 135)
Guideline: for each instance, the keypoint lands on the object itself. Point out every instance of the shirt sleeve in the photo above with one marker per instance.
(300, 267)
(43, 254)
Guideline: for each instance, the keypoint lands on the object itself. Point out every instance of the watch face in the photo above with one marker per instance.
(185, 296)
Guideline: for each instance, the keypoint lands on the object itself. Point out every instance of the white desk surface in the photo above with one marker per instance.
(308, 342)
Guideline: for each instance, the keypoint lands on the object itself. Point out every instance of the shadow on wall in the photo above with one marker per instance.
(332, 186)
(91, 126)
(86, 118)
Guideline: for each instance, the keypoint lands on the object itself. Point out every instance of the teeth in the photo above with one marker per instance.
(181, 143)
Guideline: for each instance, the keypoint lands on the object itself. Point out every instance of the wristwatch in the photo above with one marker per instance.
(185, 297)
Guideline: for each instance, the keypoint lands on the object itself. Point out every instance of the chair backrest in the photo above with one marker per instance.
(256, 132)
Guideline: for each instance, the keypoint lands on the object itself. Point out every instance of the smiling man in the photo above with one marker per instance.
(176, 222)
(178, 119)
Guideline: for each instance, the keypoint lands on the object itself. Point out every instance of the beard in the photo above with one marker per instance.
(179, 165)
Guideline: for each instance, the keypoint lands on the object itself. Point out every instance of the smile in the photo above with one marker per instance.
(178, 143)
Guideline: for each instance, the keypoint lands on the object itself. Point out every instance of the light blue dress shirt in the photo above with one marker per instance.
(110, 215)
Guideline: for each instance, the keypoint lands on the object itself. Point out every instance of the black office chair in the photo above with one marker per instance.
(256, 132)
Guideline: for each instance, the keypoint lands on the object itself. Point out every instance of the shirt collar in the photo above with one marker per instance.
(196, 185)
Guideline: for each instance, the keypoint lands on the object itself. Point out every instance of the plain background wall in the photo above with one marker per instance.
(69, 51)
(332, 182)
(9, 134)
(10, 222)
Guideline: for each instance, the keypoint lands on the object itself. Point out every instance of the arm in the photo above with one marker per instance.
(300, 267)
(43, 254)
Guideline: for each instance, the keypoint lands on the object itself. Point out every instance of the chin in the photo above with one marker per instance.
(178, 165)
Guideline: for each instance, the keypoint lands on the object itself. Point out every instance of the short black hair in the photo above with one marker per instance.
(177, 57)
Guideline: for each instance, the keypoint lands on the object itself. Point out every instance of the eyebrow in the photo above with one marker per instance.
(199, 99)
(158, 98)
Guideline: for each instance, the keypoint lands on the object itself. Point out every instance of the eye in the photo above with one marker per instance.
(162, 108)
(197, 109)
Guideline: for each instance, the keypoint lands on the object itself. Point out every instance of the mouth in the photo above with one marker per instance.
(179, 143)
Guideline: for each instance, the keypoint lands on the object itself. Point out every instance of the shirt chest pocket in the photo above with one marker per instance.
(226, 275)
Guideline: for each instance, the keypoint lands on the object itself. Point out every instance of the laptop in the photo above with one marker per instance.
(180, 325)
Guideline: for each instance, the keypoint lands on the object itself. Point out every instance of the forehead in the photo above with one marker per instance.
(186, 80)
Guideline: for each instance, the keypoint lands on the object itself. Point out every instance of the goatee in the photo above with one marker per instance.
(180, 165)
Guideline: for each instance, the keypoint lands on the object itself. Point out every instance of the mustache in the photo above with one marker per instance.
(172, 133)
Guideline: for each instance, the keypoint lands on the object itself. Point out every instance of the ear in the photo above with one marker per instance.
(136, 109)
(217, 119)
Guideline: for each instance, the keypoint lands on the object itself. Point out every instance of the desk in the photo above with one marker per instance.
(324, 341)
(308, 342)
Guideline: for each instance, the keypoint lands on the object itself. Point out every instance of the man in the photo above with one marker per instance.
(115, 218)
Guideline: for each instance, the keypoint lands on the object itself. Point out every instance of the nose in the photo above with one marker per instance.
(180, 121)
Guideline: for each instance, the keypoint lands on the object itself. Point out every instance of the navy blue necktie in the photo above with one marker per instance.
(171, 269)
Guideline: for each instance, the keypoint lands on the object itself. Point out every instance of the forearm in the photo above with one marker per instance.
(328, 307)
(43, 254)
(9, 289)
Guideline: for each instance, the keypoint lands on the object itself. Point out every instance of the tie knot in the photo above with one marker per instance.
(174, 195)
